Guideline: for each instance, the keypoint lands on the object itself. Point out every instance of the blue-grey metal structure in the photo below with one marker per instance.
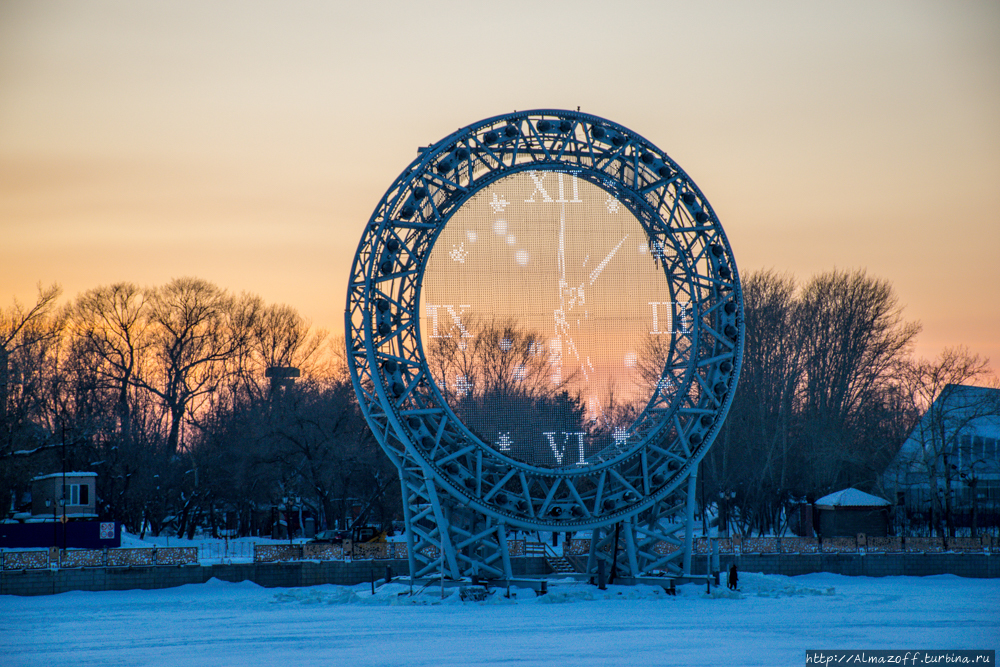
(462, 495)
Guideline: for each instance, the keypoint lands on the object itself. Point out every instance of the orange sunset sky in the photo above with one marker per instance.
(247, 143)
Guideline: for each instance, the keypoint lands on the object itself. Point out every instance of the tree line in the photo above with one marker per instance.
(164, 392)
(829, 391)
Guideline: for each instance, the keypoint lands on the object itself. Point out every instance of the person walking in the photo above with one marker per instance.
(733, 577)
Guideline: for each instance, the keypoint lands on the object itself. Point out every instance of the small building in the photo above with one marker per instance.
(849, 512)
(73, 492)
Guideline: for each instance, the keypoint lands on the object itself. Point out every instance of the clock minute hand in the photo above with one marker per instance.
(604, 262)
(562, 326)
(562, 247)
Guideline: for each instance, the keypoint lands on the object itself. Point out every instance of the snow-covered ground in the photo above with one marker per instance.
(771, 621)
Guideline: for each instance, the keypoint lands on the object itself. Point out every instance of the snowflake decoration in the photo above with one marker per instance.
(620, 437)
(499, 203)
(612, 202)
(664, 383)
(504, 442)
(459, 253)
(462, 385)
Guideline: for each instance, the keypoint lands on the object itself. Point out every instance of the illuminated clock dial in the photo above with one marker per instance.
(544, 303)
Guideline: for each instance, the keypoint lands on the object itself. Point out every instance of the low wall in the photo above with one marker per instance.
(269, 575)
(980, 566)
(270, 553)
(123, 558)
(859, 544)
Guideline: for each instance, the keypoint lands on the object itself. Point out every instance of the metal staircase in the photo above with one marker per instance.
(558, 564)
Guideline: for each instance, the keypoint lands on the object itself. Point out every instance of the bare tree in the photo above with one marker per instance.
(110, 324)
(257, 443)
(21, 330)
(321, 438)
(752, 460)
(307, 441)
(818, 400)
(499, 370)
(163, 392)
(110, 338)
(191, 337)
(853, 334)
(853, 338)
(281, 337)
(935, 389)
(28, 337)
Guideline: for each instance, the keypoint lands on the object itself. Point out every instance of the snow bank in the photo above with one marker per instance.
(771, 621)
(559, 592)
(760, 585)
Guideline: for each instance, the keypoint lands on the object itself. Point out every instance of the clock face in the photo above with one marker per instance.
(546, 312)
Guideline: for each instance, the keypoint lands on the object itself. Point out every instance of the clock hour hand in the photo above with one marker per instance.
(604, 262)
(576, 295)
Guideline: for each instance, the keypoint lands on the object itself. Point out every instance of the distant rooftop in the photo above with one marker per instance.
(68, 474)
(851, 498)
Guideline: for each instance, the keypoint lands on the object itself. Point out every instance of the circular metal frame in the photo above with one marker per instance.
(401, 401)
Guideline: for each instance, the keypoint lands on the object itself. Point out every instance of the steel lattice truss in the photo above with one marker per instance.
(460, 493)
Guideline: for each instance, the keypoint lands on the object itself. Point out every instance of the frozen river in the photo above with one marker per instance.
(772, 621)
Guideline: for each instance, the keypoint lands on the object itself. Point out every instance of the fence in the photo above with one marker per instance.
(533, 548)
(54, 558)
(273, 553)
(859, 544)
(223, 551)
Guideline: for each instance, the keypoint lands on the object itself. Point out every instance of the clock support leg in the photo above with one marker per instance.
(445, 538)
(659, 539)
(411, 542)
(689, 520)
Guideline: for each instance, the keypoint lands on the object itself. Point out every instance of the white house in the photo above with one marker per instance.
(953, 447)
(71, 493)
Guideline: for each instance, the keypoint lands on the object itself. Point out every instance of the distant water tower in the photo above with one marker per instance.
(281, 377)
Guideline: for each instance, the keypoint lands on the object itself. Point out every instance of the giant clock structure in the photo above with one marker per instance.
(544, 328)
